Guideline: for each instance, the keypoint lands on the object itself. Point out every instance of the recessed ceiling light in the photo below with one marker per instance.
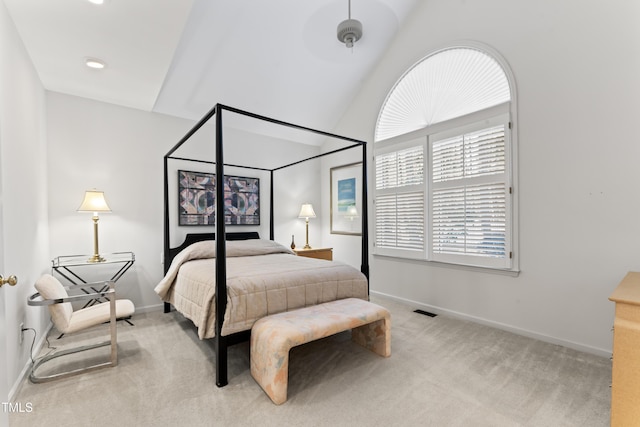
(95, 63)
(96, 1)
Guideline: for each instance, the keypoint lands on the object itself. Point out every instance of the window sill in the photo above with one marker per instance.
(502, 272)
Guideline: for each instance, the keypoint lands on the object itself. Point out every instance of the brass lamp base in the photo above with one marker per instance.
(306, 246)
(96, 258)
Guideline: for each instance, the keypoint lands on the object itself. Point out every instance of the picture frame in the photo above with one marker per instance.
(197, 199)
(346, 199)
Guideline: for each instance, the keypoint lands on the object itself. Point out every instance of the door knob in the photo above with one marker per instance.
(11, 280)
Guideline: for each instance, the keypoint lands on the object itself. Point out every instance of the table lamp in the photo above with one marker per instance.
(306, 212)
(94, 202)
(352, 212)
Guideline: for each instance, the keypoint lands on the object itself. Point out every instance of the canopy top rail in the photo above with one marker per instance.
(213, 163)
(287, 124)
(219, 107)
(267, 169)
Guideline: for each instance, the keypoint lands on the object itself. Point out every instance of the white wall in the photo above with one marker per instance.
(23, 168)
(576, 66)
(120, 151)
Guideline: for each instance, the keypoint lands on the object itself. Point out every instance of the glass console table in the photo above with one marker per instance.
(78, 270)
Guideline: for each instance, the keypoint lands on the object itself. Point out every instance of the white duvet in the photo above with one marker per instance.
(263, 278)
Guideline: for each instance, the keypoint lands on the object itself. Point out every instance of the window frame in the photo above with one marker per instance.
(480, 119)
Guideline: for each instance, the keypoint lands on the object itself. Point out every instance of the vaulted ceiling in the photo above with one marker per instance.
(279, 58)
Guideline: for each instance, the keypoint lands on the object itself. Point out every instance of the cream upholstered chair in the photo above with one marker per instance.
(52, 294)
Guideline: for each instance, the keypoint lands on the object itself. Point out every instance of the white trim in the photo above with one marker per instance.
(464, 267)
(386, 145)
(400, 253)
(490, 117)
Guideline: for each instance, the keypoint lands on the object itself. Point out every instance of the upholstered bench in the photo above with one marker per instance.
(273, 336)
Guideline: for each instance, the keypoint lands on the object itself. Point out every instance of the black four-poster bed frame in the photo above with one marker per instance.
(221, 343)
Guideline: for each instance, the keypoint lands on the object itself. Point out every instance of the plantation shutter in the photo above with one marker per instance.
(469, 199)
(399, 201)
(448, 84)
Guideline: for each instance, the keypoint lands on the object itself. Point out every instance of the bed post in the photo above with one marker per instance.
(221, 259)
(364, 268)
(167, 241)
(167, 306)
(271, 227)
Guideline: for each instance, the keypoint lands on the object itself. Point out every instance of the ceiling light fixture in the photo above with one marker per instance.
(96, 1)
(95, 63)
(350, 31)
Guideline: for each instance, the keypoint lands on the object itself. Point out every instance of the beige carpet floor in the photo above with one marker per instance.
(442, 372)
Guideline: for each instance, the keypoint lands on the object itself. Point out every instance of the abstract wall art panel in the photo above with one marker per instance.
(197, 197)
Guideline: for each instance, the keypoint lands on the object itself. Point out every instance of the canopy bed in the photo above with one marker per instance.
(227, 283)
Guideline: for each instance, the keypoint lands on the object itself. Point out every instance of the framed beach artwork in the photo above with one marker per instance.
(346, 202)
(197, 199)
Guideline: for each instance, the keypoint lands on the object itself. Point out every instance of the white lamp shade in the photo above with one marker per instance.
(352, 211)
(94, 202)
(306, 211)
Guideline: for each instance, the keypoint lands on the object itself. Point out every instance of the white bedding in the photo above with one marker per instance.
(263, 278)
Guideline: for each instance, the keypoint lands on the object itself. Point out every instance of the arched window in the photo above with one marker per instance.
(444, 162)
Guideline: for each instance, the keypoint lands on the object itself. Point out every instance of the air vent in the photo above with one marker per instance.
(426, 313)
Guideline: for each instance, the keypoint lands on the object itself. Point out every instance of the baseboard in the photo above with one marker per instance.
(13, 392)
(524, 332)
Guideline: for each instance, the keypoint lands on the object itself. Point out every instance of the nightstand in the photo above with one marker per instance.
(75, 268)
(319, 253)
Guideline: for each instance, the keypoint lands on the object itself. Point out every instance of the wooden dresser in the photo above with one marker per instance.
(625, 381)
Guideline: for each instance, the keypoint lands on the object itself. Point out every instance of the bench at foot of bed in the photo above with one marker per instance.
(273, 336)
